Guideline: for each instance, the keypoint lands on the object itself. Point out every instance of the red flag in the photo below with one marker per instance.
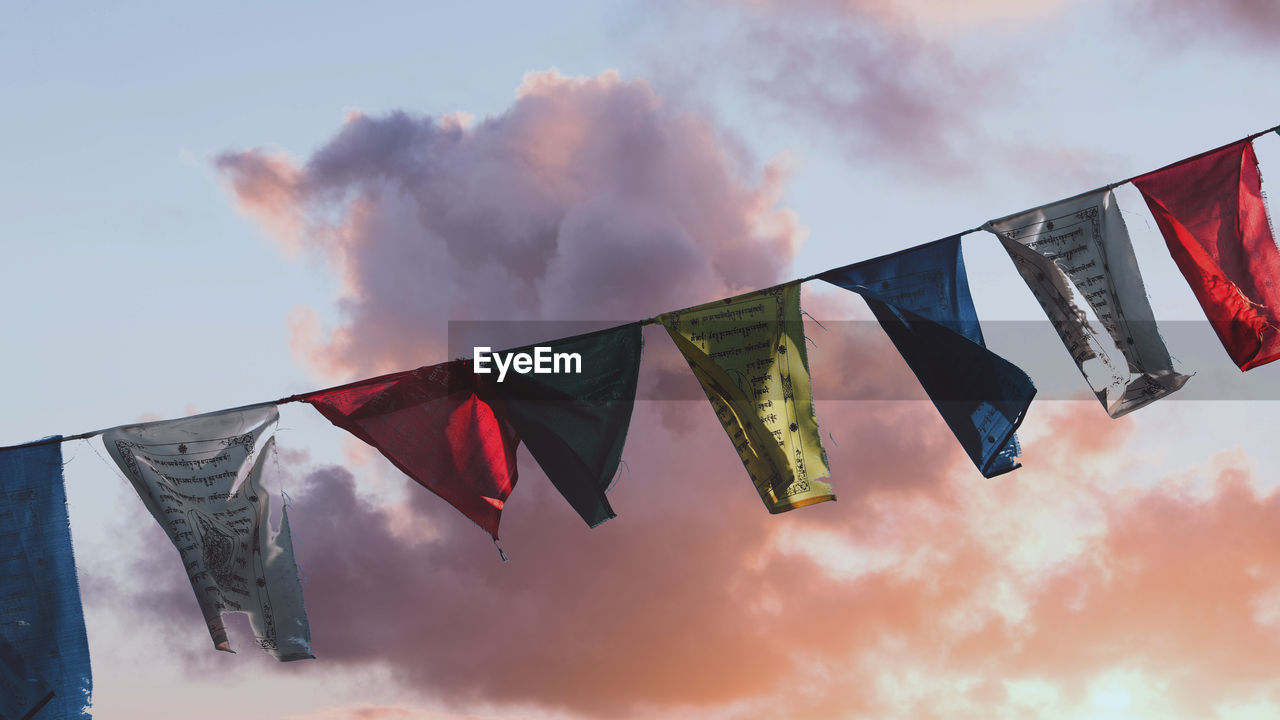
(441, 426)
(1213, 218)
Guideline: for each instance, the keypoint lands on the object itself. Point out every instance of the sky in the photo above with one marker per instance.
(208, 207)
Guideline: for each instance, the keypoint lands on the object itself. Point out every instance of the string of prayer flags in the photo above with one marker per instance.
(748, 353)
(1076, 257)
(44, 653)
(1211, 212)
(442, 425)
(575, 422)
(201, 479)
(921, 298)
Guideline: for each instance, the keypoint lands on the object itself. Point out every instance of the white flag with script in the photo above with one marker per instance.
(201, 478)
(1076, 257)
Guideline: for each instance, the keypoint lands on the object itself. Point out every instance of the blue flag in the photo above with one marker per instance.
(575, 423)
(44, 655)
(921, 298)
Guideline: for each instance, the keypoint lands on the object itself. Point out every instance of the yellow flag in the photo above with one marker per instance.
(748, 353)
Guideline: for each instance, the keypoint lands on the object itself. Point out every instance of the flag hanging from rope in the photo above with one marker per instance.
(441, 425)
(201, 478)
(1211, 211)
(574, 420)
(748, 353)
(44, 653)
(921, 298)
(1076, 257)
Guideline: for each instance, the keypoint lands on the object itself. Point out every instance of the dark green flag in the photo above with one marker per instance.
(574, 419)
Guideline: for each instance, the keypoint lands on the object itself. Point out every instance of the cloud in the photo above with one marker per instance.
(939, 16)
(942, 16)
(1179, 587)
(268, 186)
(956, 597)
(563, 207)
(385, 712)
(923, 91)
(866, 74)
(1254, 23)
(910, 86)
(683, 600)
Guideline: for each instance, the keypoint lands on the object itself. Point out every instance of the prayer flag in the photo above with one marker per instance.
(748, 354)
(441, 425)
(1211, 212)
(921, 298)
(574, 420)
(1076, 257)
(201, 479)
(44, 654)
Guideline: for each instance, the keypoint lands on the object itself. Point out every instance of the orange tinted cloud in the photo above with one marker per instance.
(1183, 587)
(268, 187)
(386, 712)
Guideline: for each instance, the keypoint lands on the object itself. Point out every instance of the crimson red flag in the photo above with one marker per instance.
(1213, 218)
(442, 426)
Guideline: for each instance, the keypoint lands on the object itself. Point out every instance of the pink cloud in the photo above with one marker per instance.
(866, 74)
(268, 186)
(385, 712)
(563, 207)
(898, 83)
(1255, 22)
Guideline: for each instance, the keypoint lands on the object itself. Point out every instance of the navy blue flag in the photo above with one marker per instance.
(921, 298)
(44, 655)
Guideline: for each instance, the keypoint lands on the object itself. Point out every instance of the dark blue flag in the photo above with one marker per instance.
(921, 298)
(44, 655)
(575, 422)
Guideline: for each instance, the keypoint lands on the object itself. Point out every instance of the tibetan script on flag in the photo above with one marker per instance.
(201, 479)
(1076, 257)
(748, 354)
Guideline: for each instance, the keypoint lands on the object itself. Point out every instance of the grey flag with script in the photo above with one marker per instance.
(201, 478)
(1076, 257)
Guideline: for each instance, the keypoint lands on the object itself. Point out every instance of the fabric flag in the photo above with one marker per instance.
(1076, 257)
(1211, 212)
(442, 426)
(748, 353)
(201, 478)
(921, 298)
(575, 422)
(44, 654)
